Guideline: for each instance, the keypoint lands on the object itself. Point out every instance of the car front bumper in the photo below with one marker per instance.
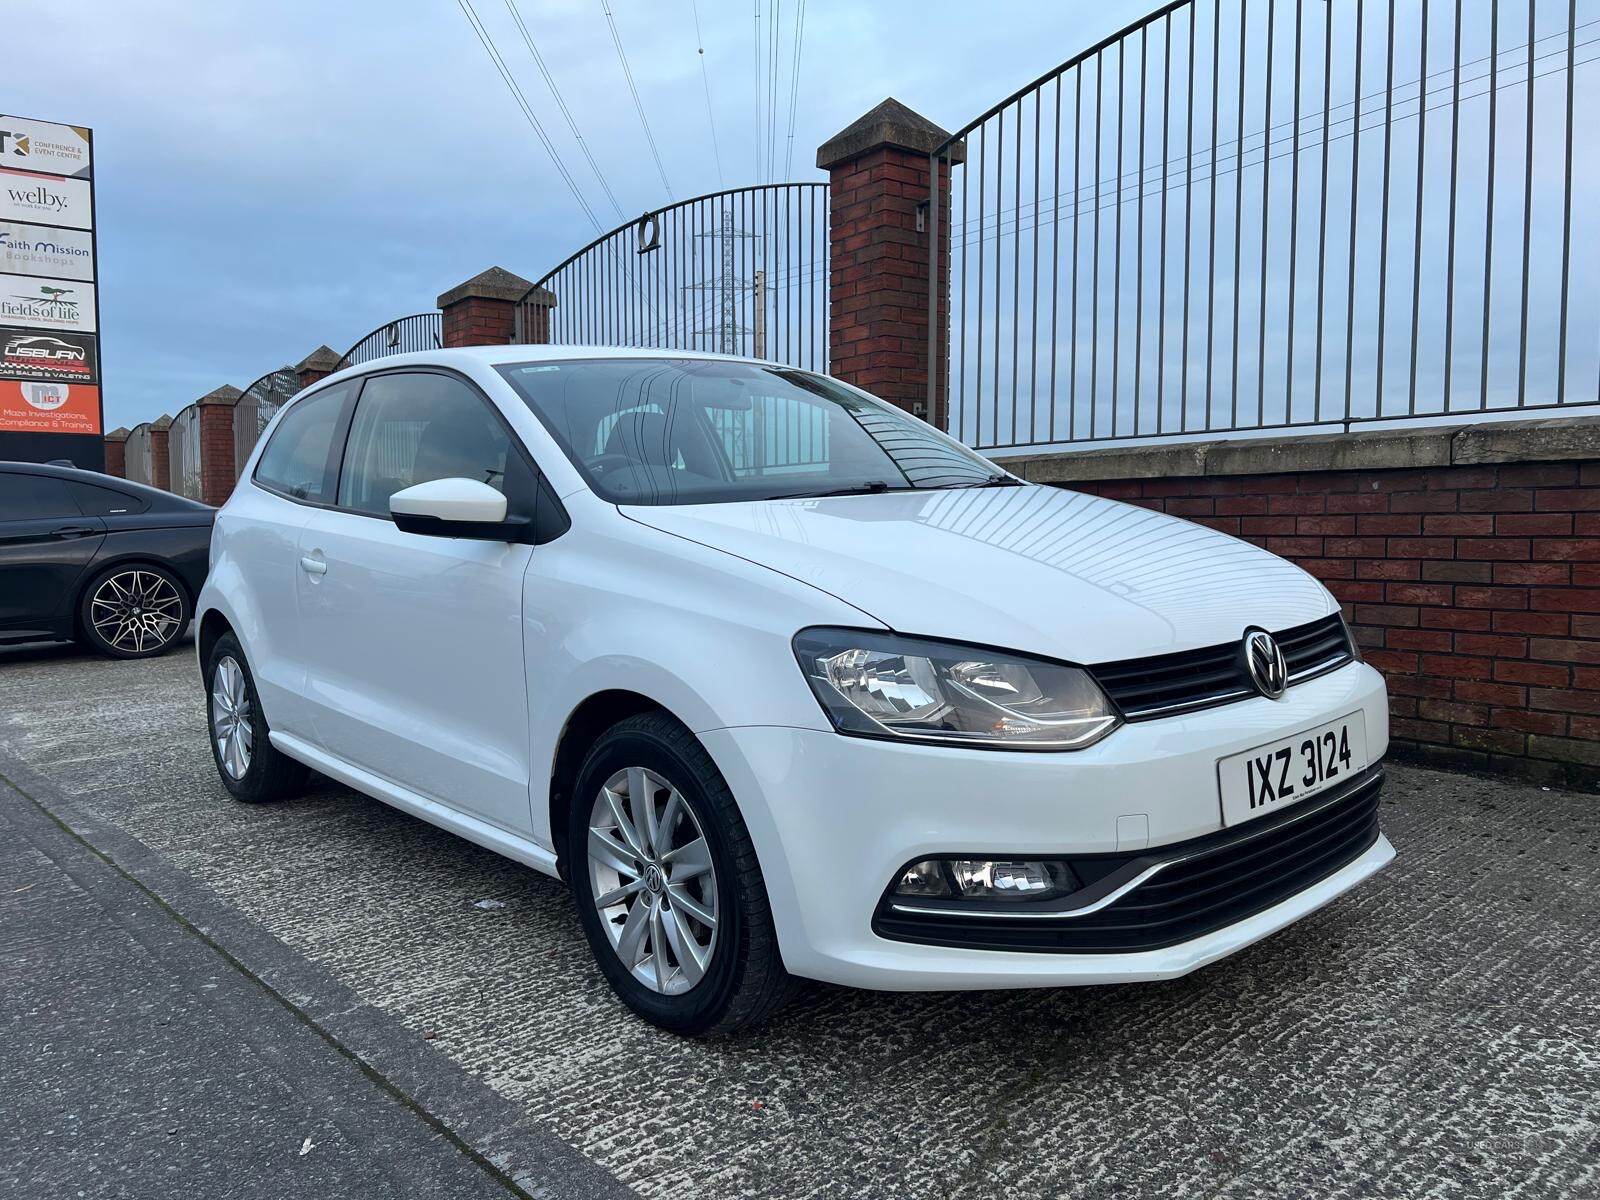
(835, 818)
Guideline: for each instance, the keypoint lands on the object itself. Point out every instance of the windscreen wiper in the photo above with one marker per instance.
(871, 488)
(991, 481)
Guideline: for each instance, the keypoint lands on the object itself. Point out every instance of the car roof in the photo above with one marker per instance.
(518, 353)
(98, 479)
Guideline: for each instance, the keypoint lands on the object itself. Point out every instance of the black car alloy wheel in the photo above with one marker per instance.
(135, 611)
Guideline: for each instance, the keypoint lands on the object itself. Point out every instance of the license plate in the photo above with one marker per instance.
(1282, 773)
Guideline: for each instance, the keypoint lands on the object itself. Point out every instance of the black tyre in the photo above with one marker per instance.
(248, 764)
(667, 883)
(135, 610)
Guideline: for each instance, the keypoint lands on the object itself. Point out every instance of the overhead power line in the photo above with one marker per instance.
(561, 103)
(760, 120)
(522, 102)
(638, 104)
(705, 77)
(794, 84)
(774, 37)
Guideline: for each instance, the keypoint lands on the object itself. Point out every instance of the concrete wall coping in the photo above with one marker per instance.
(1546, 440)
(889, 124)
(323, 358)
(227, 394)
(496, 283)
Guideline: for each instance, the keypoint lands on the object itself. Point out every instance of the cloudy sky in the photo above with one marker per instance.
(273, 177)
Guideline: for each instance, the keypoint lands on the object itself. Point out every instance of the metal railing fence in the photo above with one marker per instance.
(1257, 214)
(136, 455)
(256, 408)
(743, 271)
(420, 331)
(183, 454)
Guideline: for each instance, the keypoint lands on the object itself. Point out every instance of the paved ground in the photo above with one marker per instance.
(139, 1062)
(1437, 1033)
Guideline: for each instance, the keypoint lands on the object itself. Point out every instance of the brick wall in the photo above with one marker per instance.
(479, 322)
(160, 459)
(1474, 589)
(879, 238)
(217, 473)
(483, 310)
(878, 277)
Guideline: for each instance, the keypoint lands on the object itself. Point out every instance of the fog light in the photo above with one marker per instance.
(986, 879)
(925, 878)
(978, 877)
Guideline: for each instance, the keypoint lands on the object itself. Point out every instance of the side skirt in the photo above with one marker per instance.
(492, 837)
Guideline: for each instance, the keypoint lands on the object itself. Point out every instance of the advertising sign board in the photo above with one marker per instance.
(45, 146)
(43, 250)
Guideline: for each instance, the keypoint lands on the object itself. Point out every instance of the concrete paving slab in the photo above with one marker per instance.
(138, 1060)
(1435, 1033)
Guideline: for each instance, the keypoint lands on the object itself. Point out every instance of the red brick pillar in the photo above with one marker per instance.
(217, 472)
(319, 364)
(483, 310)
(117, 452)
(160, 460)
(878, 172)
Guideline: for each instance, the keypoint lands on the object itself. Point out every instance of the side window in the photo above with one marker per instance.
(410, 428)
(33, 497)
(302, 460)
(106, 502)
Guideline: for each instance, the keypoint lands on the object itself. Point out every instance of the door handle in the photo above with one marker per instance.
(313, 566)
(70, 531)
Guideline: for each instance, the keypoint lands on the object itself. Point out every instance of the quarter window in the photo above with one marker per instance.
(98, 501)
(410, 428)
(301, 459)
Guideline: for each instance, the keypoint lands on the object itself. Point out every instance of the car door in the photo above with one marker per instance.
(297, 471)
(413, 643)
(46, 544)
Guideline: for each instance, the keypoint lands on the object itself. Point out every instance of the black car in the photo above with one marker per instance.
(111, 564)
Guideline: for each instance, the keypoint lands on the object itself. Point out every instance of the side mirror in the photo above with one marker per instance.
(460, 508)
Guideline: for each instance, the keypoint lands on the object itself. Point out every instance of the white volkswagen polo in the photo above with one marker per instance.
(783, 682)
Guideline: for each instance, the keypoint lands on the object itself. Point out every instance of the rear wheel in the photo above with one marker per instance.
(249, 765)
(137, 610)
(669, 890)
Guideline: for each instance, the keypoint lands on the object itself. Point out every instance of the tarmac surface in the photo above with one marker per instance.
(1434, 1033)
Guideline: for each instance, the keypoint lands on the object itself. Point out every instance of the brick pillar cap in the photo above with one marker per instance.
(226, 394)
(321, 359)
(541, 297)
(889, 124)
(496, 283)
(119, 434)
(161, 422)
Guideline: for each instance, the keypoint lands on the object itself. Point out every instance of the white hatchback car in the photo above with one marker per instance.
(782, 681)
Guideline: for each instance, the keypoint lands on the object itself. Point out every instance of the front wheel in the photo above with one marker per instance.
(668, 887)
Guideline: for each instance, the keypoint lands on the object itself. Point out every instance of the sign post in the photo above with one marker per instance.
(50, 401)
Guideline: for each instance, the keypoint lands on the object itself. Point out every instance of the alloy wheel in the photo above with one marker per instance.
(135, 611)
(231, 728)
(651, 877)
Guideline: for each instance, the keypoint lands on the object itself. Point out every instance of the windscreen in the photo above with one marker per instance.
(695, 431)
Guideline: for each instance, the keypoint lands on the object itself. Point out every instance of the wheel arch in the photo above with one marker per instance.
(592, 717)
(213, 625)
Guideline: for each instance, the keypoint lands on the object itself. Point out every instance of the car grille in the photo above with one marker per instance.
(1204, 885)
(1167, 684)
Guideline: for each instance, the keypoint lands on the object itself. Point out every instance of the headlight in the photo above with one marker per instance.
(912, 689)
